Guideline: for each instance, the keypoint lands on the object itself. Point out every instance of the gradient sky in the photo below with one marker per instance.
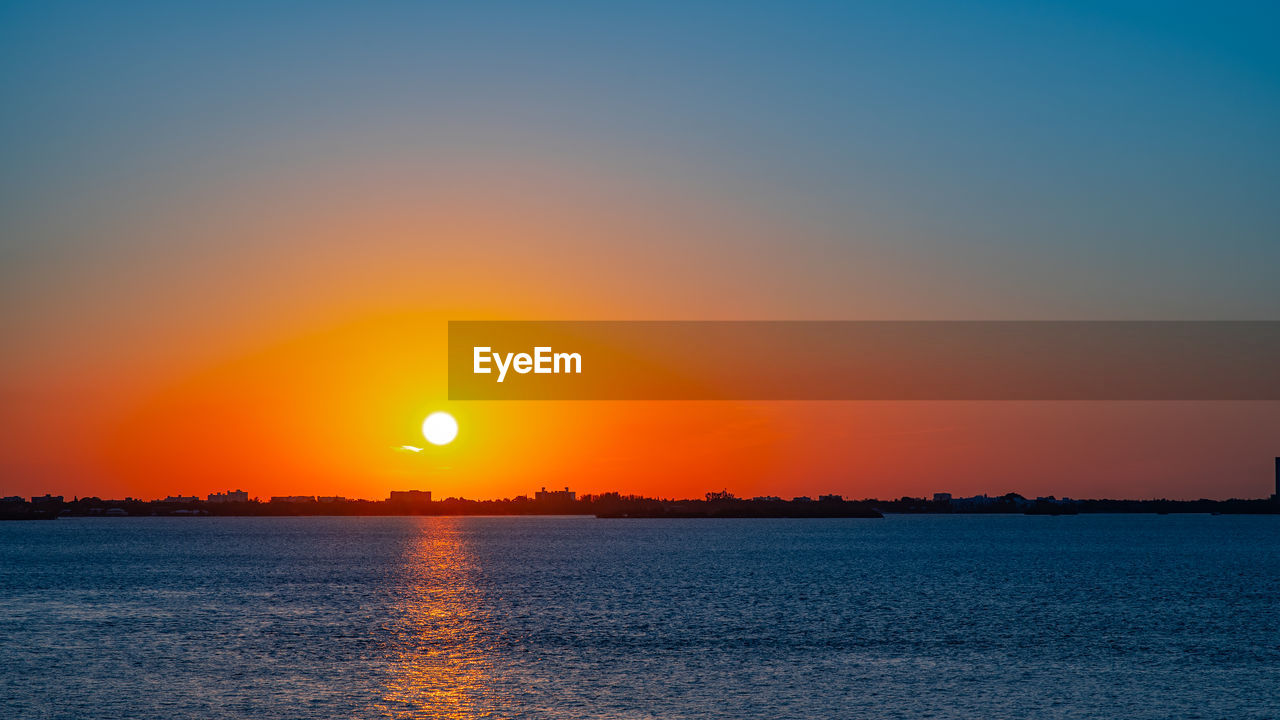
(231, 234)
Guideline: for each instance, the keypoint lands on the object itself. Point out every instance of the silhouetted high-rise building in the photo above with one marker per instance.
(236, 495)
(1277, 495)
(416, 497)
(545, 495)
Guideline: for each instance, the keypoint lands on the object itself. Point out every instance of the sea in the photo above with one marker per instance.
(910, 616)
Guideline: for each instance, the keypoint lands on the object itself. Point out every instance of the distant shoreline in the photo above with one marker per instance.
(613, 506)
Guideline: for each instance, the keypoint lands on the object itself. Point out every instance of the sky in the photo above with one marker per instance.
(231, 234)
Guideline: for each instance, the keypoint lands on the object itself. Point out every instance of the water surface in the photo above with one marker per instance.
(1096, 616)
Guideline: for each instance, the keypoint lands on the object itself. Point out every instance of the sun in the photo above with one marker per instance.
(440, 428)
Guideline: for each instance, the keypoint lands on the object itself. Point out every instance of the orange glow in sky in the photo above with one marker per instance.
(284, 333)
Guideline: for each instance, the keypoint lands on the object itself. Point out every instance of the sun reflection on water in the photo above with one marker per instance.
(438, 665)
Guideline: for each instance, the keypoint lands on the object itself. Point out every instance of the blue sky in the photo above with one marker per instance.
(1128, 149)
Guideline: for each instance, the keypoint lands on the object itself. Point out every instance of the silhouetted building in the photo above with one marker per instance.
(236, 495)
(331, 499)
(942, 497)
(1276, 497)
(181, 499)
(46, 498)
(548, 495)
(409, 496)
(972, 503)
(293, 498)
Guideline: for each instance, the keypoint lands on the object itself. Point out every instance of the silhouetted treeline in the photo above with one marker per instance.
(615, 505)
(1015, 503)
